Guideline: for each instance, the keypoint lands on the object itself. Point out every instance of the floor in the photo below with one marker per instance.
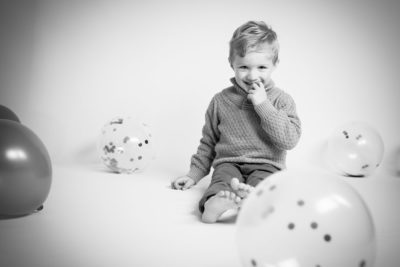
(93, 217)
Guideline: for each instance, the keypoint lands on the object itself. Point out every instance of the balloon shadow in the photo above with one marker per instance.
(12, 217)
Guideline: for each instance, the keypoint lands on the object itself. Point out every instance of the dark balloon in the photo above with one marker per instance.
(8, 114)
(25, 170)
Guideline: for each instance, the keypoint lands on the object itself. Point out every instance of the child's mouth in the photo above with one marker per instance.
(250, 84)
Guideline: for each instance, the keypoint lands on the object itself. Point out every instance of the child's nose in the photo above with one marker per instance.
(252, 76)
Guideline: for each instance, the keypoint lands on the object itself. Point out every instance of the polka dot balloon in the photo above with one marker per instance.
(355, 149)
(125, 145)
(303, 219)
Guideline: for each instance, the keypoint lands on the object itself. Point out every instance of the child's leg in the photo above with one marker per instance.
(220, 182)
(218, 204)
(260, 173)
(255, 174)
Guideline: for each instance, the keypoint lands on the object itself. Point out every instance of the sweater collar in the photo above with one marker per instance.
(240, 96)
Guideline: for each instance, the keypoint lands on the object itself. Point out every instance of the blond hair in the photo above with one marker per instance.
(249, 37)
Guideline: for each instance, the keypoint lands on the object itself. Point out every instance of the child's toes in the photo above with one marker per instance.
(235, 183)
(232, 195)
(226, 194)
(237, 199)
(221, 193)
(242, 186)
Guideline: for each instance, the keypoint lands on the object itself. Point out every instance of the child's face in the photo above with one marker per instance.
(255, 67)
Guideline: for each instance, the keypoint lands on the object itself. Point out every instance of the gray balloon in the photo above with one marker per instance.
(8, 114)
(25, 170)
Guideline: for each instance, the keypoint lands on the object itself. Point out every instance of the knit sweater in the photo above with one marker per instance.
(237, 131)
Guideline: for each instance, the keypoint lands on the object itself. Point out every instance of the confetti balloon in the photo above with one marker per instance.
(303, 219)
(355, 149)
(25, 170)
(125, 145)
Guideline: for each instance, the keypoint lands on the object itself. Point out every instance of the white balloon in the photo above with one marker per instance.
(303, 219)
(125, 145)
(355, 149)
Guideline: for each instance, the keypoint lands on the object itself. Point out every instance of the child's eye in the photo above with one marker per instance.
(263, 67)
(243, 67)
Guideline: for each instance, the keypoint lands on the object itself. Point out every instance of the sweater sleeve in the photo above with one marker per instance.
(280, 121)
(201, 162)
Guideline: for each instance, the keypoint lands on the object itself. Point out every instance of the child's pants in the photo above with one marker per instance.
(249, 173)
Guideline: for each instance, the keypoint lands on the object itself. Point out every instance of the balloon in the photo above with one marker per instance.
(302, 219)
(25, 170)
(125, 145)
(8, 114)
(355, 149)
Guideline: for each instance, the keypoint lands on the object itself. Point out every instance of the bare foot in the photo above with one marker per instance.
(241, 189)
(218, 204)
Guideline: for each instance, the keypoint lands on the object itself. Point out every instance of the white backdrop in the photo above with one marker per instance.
(69, 66)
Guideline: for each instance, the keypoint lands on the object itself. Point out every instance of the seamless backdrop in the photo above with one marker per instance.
(67, 67)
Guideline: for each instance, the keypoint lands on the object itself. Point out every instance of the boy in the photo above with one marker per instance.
(248, 126)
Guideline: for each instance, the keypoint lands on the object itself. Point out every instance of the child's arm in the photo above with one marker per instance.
(201, 162)
(280, 121)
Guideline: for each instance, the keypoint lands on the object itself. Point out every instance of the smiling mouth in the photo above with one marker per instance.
(251, 83)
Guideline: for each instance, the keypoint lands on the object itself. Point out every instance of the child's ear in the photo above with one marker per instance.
(230, 62)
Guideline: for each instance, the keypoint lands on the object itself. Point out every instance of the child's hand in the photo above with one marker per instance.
(183, 183)
(257, 95)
